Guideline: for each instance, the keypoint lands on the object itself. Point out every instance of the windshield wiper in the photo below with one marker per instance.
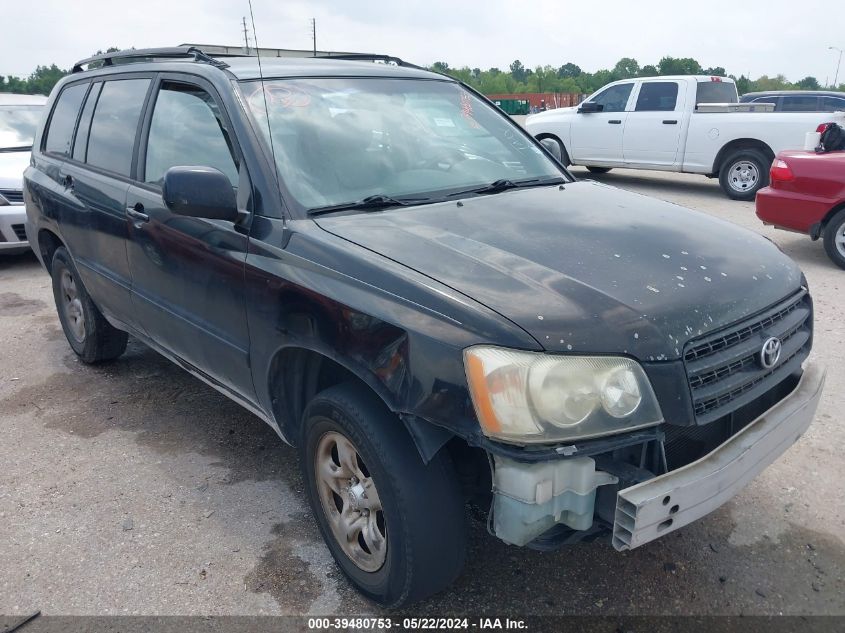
(20, 148)
(378, 201)
(503, 184)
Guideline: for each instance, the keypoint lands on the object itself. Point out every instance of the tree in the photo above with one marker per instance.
(440, 67)
(518, 70)
(626, 68)
(808, 83)
(679, 66)
(568, 70)
(716, 71)
(649, 70)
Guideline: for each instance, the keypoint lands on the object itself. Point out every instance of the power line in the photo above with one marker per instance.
(246, 36)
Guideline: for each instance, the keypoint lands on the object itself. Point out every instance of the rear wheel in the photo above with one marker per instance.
(92, 337)
(598, 170)
(743, 173)
(394, 525)
(834, 239)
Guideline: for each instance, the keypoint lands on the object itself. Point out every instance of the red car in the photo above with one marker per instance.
(806, 193)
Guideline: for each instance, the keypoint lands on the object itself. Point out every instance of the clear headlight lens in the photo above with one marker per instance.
(526, 397)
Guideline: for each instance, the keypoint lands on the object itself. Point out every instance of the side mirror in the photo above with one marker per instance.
(589, 107)
(553, 147)
(200, 192)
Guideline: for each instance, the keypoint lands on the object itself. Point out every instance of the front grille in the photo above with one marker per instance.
(20, 231)
(723, 369)
(14, 196)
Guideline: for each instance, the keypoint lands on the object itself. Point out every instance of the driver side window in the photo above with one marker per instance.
(187, 129)
(615, 98)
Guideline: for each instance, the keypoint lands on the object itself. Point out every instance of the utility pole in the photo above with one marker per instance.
(836, 77)
(314, 34)
(246, 36)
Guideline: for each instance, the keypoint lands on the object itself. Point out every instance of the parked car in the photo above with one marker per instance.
(807, 194)
(799, 100)
(675, 124)
(405, 285)
(19, 115)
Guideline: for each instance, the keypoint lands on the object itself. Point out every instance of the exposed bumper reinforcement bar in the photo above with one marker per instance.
(658, 506)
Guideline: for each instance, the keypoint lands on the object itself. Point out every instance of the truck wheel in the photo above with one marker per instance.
(834, 239)
(394, 525)
(743, 173)
(92, 337)
(598, 170)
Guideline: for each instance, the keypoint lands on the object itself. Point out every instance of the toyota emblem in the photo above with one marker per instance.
(770, 353)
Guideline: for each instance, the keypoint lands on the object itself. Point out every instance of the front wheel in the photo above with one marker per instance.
(743, 173)
(394, 525)
(598, 170)
(834, 239)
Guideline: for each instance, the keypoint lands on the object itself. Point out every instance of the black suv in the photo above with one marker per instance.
(799, 100)
(405, 285)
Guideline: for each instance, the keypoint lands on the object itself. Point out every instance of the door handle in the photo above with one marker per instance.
(670, 121)
(137, 212)
(615, 121)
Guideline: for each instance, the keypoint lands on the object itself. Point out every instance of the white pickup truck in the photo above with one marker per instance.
(675, 124)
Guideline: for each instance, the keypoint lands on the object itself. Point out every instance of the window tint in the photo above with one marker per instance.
(187, 129)
(765, 100)
(833, 104)
(614, 98)
(80, 145)
(657, 96)
(800, 104)
(63, 120)
(715, 92)
(112, 135)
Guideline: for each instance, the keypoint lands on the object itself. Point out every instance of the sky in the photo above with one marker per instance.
(756, 36)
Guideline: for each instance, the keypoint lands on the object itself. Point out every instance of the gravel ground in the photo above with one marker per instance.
(134, 488)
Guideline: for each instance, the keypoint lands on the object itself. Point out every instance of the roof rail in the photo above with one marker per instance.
(176, 52)
(388, 59)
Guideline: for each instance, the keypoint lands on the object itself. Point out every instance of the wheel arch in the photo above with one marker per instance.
(298, 372)
(822, 225)
(544, 135)
(48, 243)
(740, 144)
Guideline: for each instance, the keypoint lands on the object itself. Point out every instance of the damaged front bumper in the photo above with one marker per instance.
(532, 498)
(658, 506)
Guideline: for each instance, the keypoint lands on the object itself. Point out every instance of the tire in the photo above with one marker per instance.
(835, 230)
(420, 526)
(599, 170)
(93, 338)
(743, 173)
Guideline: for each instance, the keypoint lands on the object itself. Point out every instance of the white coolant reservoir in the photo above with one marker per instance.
(530, 498)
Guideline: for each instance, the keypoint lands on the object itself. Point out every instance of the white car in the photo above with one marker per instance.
(681, 123)
(19, 116)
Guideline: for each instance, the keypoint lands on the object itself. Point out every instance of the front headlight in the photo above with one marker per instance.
(527, 397)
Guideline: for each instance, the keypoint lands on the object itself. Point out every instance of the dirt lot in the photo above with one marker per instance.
(133, 488)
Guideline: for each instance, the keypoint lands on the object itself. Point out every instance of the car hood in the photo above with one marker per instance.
(586, 268)
(12, 166)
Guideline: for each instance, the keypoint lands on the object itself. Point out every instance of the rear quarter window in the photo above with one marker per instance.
(63, 119)
(115, 123)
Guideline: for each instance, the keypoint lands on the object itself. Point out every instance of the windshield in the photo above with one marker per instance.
(17, 125)
(339, 140)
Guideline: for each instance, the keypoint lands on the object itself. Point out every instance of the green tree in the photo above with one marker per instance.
(649, 70)
(440, 67)
(518, 71)
(626, 68)
(679, 66)
(808, 83)
(569, 70)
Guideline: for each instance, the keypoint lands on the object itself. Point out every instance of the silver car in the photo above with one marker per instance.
(19, 116)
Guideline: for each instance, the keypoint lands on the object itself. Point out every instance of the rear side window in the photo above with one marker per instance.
(80, 145)
(63, 121)
(187, 128)
(716, 92)
(800, 104)
(614, 98)
(833, 104)
(657, 96)
(112, 135)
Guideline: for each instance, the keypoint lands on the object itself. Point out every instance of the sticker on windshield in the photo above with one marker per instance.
(466, 111)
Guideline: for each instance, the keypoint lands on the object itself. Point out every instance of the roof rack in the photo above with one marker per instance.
(176, 52)
(387, 59)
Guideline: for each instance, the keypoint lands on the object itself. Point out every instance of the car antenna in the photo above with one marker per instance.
(263, 92)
